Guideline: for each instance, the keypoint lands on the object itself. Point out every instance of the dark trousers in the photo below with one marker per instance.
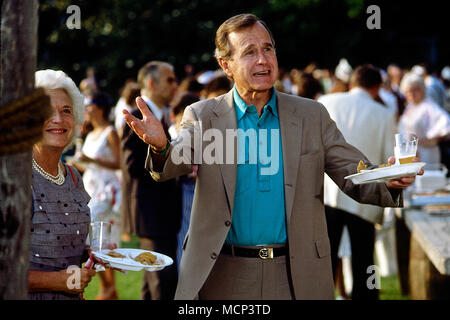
(160, 285)
(362, 240)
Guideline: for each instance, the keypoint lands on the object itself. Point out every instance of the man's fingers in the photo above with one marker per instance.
(401, 183)
(139, 129)
(144, 108)
(129, 117)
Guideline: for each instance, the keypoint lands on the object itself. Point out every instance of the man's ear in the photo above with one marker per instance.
(151, 83)
(225, 65)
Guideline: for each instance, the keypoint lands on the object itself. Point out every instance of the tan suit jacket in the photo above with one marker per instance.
(311, 145)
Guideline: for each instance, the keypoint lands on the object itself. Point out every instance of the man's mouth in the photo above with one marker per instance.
(262, 73)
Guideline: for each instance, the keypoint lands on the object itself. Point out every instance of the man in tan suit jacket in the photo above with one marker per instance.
(311, 146)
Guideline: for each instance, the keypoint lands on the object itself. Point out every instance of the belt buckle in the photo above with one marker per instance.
(266, 253)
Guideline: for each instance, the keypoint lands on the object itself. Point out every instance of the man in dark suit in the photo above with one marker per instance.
(150, 209)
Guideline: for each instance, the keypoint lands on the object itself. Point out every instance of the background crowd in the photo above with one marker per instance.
(414, 99)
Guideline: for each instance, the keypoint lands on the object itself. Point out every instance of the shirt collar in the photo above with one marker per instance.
(361, 92)
(241, 107)
(157, 112)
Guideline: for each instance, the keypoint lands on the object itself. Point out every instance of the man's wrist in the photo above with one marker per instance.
(162, 151)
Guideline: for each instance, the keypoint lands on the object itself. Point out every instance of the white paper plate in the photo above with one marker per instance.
(128, 263)
(386, 173)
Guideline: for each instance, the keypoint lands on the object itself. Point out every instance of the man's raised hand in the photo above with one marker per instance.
(149, 129)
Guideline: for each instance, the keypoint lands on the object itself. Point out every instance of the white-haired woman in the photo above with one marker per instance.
(424, 118)
(61, 216)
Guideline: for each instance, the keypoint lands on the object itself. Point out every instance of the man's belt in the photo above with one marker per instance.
(263, 252)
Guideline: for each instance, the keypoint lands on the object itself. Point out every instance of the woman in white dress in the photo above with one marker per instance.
(100, 162)
(423, 117)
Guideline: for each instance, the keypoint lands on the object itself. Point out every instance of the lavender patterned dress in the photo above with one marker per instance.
(59, 228)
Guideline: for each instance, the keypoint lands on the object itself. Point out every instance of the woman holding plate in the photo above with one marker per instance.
(61, 216)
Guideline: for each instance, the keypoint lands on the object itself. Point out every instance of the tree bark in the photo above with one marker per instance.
(19, 20)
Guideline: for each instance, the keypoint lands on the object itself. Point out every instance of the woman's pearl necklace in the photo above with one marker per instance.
(58, 179)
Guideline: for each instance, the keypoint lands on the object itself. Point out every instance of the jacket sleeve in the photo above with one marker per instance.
(341, 160)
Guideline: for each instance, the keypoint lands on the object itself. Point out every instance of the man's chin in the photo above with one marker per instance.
(262, 89)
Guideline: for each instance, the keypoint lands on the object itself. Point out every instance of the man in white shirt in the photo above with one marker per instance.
(370, 127)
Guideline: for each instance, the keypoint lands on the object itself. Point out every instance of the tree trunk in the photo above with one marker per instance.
(19, 19)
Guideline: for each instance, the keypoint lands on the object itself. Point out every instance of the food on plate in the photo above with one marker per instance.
(361, 166)
(115, 254)
(146, 258)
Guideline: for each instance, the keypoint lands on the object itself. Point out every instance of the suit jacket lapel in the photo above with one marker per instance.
(226, 119)
(291, 125)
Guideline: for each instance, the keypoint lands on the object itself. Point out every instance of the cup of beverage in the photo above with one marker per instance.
(405, 147)
(99, 235)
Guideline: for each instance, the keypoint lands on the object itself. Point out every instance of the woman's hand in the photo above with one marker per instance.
(96, 259)
(72, 280)
(75, 282)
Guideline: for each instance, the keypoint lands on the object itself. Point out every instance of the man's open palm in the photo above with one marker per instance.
(149, 129)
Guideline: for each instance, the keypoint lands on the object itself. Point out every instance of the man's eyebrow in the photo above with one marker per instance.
(248, 46)
(252, 45)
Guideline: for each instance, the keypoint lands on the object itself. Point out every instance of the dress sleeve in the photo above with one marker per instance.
(438, 122)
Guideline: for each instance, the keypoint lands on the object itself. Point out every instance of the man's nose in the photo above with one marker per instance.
(262, 59)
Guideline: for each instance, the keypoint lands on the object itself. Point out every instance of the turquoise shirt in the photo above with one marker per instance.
(259, 215)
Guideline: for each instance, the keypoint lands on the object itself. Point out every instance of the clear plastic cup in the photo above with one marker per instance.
(100, 235)
(405, 149)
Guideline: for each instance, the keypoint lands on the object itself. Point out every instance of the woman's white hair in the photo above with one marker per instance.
(51, 79)
(410, 79)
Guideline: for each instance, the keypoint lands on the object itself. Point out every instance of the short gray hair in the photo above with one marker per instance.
(152, 69)
(51, 79)
(409, 79)
(235, 23)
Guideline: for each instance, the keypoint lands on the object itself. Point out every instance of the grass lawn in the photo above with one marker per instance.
(390, 289)
(129, 285)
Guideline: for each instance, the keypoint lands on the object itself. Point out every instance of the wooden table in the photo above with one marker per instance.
(429, 255)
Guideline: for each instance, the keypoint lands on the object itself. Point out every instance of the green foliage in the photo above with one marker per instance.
(117, 37)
